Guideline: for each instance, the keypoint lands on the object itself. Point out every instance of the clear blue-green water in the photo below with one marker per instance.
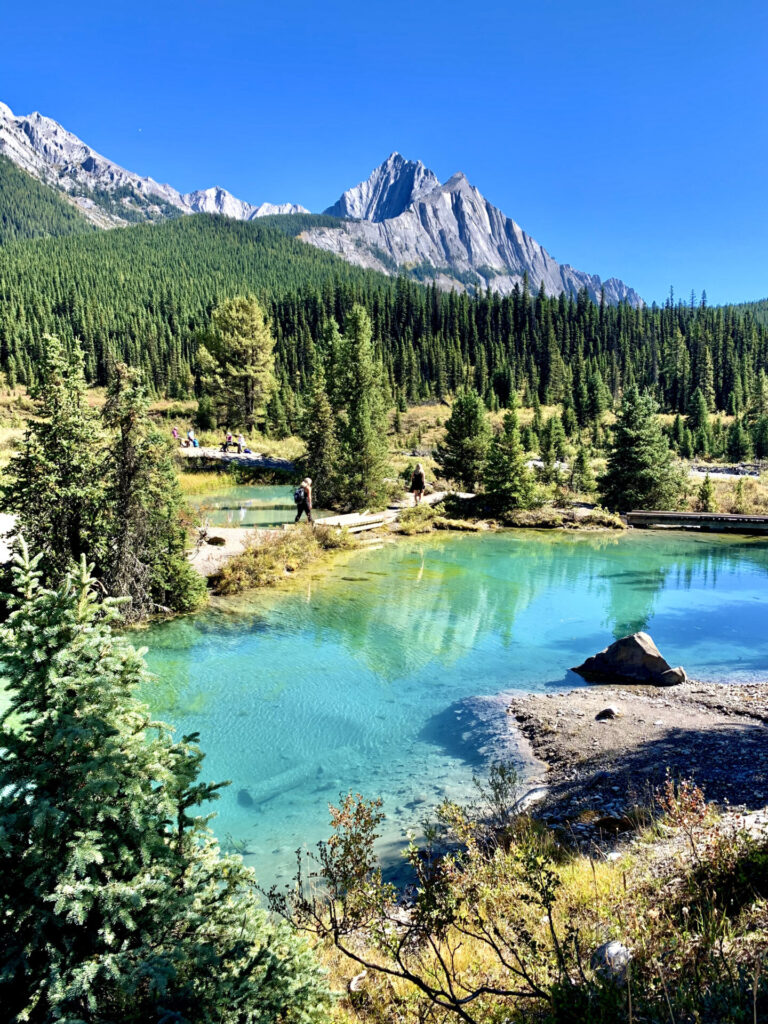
(364, 676)
(245, 505)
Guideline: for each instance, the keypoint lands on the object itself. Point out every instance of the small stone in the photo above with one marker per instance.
(610, 712)
(611, 960)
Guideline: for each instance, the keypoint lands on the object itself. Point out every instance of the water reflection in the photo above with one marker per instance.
(358, 678)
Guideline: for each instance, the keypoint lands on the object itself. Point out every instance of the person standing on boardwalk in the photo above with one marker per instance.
(418, 483)
(303, 498)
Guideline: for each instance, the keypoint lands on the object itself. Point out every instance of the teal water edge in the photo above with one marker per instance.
(366, 676)
(246, 505)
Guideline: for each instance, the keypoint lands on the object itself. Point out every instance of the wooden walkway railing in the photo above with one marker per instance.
(705, 521)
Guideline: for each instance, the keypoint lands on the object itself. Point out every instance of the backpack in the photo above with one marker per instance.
(299, 495)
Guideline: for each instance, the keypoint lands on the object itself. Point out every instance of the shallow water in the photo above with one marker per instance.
(246, 505)
(362, 676)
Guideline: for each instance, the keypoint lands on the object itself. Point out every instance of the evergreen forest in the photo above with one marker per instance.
(145, 295)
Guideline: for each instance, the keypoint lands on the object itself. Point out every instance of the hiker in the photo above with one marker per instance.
(175, 436)
(241, 446)
(418, 483)
(228, 440)
(192, 441)
(303, 498)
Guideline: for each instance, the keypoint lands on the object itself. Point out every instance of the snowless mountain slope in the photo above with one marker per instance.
(108, 194)
(407, 220)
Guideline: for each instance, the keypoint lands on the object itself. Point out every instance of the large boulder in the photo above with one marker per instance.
(634, 659)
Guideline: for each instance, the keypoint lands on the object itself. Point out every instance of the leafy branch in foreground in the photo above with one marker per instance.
(490, 891)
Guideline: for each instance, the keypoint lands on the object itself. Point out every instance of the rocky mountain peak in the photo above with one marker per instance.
(387, 192)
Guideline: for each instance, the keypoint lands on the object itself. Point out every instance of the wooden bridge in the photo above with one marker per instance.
(704, 521)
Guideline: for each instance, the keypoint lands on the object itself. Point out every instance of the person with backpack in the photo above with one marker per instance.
(303, 498)
(418, 483)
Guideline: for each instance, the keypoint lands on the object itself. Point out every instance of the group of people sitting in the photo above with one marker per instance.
(191, 441)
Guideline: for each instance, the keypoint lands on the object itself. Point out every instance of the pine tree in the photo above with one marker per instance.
(461, 455)
(706, 496)
(739, 443)
(237, 361)
(639, 473)
(362, 427)
(146, 558)
(582, 477)
(508, 481)
(115, 900)
(54, 485)
(323, 454)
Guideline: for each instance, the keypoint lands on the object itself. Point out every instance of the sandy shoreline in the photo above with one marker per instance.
(596, 770)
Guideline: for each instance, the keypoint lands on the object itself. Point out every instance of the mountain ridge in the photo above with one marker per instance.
(401, 219)
(452, 229)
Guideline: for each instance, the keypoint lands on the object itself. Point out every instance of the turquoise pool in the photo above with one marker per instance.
(362, 676)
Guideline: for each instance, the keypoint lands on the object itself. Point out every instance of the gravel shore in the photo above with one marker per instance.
(598, 768)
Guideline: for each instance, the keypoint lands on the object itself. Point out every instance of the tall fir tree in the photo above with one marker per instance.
(507, 480)
(323, 454)
(362, 426)
(639, 472)
(146, 560)
(54, 484)
(116, 902)
(461, 455)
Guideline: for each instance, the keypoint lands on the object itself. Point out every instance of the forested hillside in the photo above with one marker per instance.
(29, 209)
(145, 294)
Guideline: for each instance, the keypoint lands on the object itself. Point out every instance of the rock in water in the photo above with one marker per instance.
(244, 798)
(634, 659)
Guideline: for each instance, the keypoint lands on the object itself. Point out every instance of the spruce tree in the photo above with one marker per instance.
(706, 496)
(116, 903)
(146, 557)
(462, 453)
(639, 473)
(323, 453)
(582, 477)
(54, 484)
(508, 481)
(362, 428)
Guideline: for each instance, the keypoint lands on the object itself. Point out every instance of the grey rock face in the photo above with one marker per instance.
(634, 659)
(387, 193)
(106, 193)
(407, 219)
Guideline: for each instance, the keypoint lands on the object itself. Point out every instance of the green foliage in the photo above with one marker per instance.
(116, 902)
(146, 558)
(77, 489)
(582, 477)
(508, 481)
(28, 209)
(706, 499)
(145, 296)
(322, 461)
(639, 473)
(362, 421)
(237, 362)
(55, 484)
(462, 455)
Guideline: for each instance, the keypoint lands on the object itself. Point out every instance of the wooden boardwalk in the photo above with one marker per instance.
(705, 521)
(358, 522)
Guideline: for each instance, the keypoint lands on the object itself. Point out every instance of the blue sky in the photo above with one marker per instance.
(628, 138)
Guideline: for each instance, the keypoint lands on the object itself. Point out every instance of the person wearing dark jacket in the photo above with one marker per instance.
(418, 483)
(303, 499)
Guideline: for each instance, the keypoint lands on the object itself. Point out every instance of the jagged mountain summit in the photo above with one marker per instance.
(402, 218)
(106, 193)
(387, 193)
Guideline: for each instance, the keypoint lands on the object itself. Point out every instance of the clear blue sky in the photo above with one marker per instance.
(628, 138)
